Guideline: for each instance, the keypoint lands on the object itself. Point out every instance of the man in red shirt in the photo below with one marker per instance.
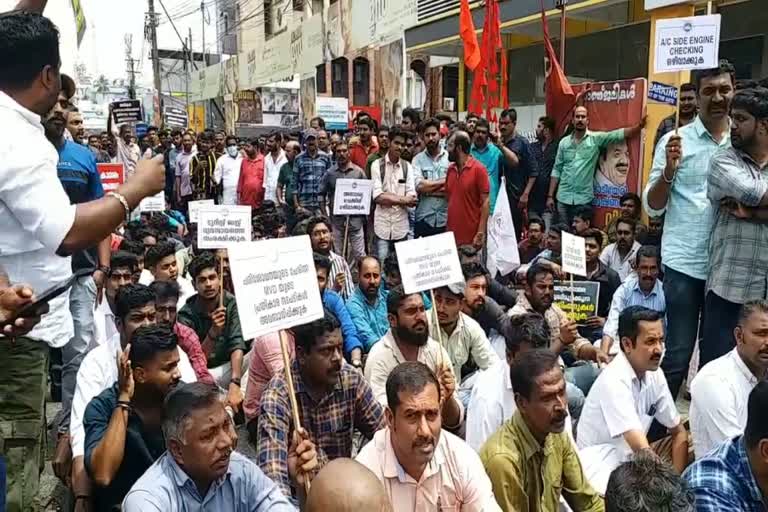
(466, 189)
(250, 186)
(362, 146)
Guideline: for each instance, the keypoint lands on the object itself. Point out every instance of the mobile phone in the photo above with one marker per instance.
(37, 307)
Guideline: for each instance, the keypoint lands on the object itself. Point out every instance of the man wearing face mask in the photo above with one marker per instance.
(625, 399)
(448, 471)
(531, 459)
(200, 461)
(408, 340)
(677, 189)
(227, 172)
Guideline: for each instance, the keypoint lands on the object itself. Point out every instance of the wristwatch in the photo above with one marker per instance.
(103, 269)
(234, 380)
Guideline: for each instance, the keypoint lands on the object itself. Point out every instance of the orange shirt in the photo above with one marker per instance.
(358, 153)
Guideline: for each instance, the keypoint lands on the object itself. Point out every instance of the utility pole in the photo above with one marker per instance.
(202, 12)
(130, 63)
(152, 24)
(187, 71)
(191, 61)
(562, 5)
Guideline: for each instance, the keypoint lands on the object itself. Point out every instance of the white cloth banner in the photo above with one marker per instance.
(503, 254)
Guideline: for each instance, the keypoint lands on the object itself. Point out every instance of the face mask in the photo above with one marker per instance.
(232, 151)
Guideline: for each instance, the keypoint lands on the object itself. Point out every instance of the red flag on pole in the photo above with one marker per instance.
(560, 98)
(468, 35)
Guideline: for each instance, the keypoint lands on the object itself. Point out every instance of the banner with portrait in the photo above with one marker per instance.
(388, 80)
(248, 111)
(613, 105)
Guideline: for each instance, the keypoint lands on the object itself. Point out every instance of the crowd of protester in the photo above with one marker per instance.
(478, 395)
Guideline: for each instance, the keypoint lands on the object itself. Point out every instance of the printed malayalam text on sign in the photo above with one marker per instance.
(574, 255)
(112, 176)
(155, 203)
(687, 43)
(218, 227)
(352, 197)
(429, 262)
(194, 208)
(585, 295)
(127, 111)
(275, 284)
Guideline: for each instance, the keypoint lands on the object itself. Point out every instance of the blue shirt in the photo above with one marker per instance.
(689, 214)
(80, 178)
(333, 302)
(517, 177)
(371, 321)
(244, 488)
(310, 173)
(432, 210)
(723, 480)
(142, 448)
(630, 294)
(491, 158)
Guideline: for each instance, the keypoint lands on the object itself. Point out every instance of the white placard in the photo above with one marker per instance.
(574, 254)
(220, 226)
(194, 208)
(155, 203)
(334, 111)
(429, 262)
(655, 4)
(352, 197)
(275, 283)
(687, 43)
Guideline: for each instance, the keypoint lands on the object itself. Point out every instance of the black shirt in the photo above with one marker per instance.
(517, 177)
(609, 281)
(545, 158)
(142, 448)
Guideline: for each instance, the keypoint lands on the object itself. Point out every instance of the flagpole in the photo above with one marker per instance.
(562, 4)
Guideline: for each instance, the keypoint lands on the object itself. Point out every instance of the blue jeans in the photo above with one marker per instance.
(719, 321)
(82, 298)
(685, 306)
(384, 247)
(565, 212)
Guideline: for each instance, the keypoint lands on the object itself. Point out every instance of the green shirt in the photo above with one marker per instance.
(231, 339)
(372, 158)
(575, 165)
(527, 477)
(286, 179)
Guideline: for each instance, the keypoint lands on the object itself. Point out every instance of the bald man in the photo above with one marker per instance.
(345, 485)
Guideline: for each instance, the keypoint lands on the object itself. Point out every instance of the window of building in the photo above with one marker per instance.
(298, 5)
(340, 78)
(268, 28)
(360, 81)
(320, 79)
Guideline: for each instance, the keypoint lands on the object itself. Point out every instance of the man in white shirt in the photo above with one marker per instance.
(493, 399)
(422, 467)
(393, 193)
(135, 307)
(720, 391)
(123, 267)
(620, 255)
(626, 397)
(273, 162)
(408, 340)
(462, 336)
(160, 261)
(40, 229)
(227, 172)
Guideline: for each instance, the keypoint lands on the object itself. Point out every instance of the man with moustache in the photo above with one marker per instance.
(477, 304)
(382, 137)
(430, 167)
(286, 183)
(333, 398)
(677, 188)
(182, 163)
(201, 170)
(489, 155)
(544, 150)
(123, 435)
(75, 125)
(720, 390)
(612, 168)
(365, 145)
(422, 467)
(466, 189)
(201, 470)
(531, 459)
(626, 397)
(251, 184)
(520, 167)
(321, 235)
(311, 167)
(619, 255)
(226, 174)
(738, 273)
(408, 340)
(273, 162)
(641, 289)
(687, 109)
(572, 180)
(368, 304)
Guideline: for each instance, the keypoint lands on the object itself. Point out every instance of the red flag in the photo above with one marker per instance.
(468, 35)
(559, 93)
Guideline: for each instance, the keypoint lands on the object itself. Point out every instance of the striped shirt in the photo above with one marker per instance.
(630, 294)
(340, 266)
(201, 176)
(738, 260)
(688, 219)
(723, 480)
(330, 422)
